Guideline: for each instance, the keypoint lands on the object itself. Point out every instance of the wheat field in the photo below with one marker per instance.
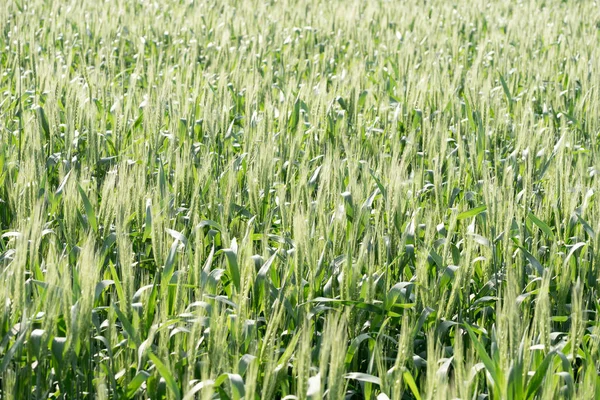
(299, 199)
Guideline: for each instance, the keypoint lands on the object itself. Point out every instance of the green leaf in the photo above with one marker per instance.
(362, 98)
(117, 282)
(410, 382)
(238, 389)
(58, 349)
(315, 177)
(177, 236)
(36, 340)
(575, 247)
(358, 304)
(472, 212)
(170, 263)
(534, 261)
(101, 286)
(394, 292)
(127, 325)
(198, 387)
(348, 205)
(359, 376)
(506, 91)
(211, 224)
(289, 351)
(489, 364)
(541, 224)
(166, 374)
(587, 227)
(234, 269)
(45, 127)
(63, 183)
(354, 346)
(536, 380)
(265, 268)
(378, 183)
(89, 210)
(295, 117)
(6, 359)
(245, 362)
(148, 221)
(135, 383)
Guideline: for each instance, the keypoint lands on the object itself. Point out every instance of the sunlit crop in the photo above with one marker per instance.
(299, 199)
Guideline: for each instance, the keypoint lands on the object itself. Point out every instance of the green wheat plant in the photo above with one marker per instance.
(299, 199)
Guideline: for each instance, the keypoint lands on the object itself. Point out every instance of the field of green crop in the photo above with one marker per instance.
(299, 199)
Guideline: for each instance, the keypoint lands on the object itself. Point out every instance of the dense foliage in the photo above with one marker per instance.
(299, 199)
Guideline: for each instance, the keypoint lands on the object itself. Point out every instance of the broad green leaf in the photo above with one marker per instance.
(509, 97)
(534, 261)
(490, 365)
(101, 286)
(89, 210)
(16, 346)
(233, 268)
(198, 387)
(43, 121)
(63, 183)
(574, 248)
(472, 212)
(135, 383)
(359, 376)
(127, 325)
(536, 380)
(354, 346)
(166, 374)
(541, 224)
(410, 382)
(170, 263)
(238, 389)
